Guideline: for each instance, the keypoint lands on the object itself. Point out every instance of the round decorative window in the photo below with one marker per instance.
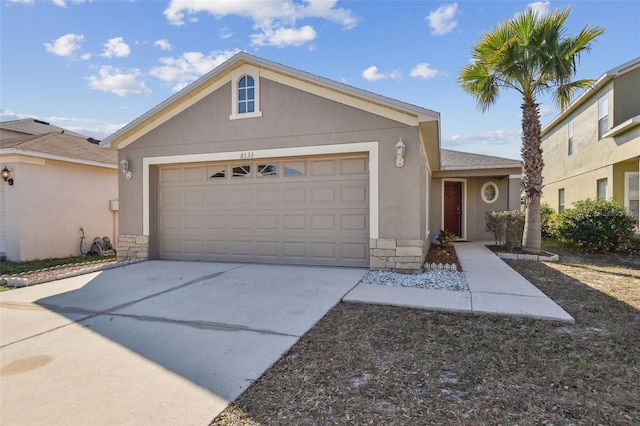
(489, 192)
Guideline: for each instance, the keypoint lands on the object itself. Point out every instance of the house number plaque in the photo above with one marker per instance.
(246, 155)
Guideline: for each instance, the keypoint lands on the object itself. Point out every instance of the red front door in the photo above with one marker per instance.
(453, 207)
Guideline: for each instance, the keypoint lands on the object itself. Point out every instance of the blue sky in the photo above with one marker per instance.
(94, 66)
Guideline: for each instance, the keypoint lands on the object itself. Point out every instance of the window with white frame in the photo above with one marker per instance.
(560, 199)
(602, 188)
(632, 195)
(245, 93)
(570, 137)
(489, 192)
(603, 115)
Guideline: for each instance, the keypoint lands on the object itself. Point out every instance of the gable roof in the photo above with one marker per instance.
(33, 126)
(587, 94)
(458, 160)
(62, 147)
(340, 92)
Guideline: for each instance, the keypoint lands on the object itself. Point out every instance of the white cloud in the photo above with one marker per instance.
(22, 1)
(110, 79)
(542, 7)
(116, 47)
(372, 74)
(65, 45)
(284, 37)
(442, 20)
(86, 56)
(63, 3)
(188, 67)
(274, 20)
(163, 44)
(225, 33)
(494, 137)
(423, 70)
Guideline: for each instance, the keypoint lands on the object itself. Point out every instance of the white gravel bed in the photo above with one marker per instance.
(431, 279)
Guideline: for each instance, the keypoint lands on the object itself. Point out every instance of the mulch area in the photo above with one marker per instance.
(443, 255)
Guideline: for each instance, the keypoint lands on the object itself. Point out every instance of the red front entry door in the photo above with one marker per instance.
(453, 207)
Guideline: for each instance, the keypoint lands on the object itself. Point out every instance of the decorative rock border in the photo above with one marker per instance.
(535, 257)
(21, 280)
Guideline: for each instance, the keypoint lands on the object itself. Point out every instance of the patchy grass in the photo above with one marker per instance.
(11, 268)
(383, 365)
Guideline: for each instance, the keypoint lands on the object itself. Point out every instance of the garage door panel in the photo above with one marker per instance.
(193, 174)
(267, 222)
(354, 222)
(356, 166)
(353, 193)
(306, 211)
(170, 175)
(323, 222)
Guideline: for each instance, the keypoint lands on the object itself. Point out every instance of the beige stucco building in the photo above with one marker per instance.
(259, 162)
(592, 150)
(59, 183)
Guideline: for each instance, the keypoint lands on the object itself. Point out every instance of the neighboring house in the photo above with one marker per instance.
(592, 150)
(259, 162)
(30, 126)
(58, 184)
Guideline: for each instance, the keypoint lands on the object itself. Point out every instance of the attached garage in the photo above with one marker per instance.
(259, 162)
(298, 210)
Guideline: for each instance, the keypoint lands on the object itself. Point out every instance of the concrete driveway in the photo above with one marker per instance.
(157, 342)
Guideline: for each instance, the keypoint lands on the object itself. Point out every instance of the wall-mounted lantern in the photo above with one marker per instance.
(400, 149)
(124, 167)
(6, 175)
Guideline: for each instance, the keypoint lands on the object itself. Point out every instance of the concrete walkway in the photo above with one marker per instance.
(494, 288)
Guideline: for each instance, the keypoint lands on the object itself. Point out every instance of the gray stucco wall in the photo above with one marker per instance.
(475, 208)
(291, 118)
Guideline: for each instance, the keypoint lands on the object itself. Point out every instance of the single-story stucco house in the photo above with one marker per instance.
(57, 183)
(259, 162)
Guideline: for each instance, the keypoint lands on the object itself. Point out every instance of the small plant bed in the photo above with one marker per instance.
(39, 271)
(516, 253)
(443, 255)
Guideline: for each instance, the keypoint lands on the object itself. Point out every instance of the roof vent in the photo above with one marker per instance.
(93, 141)
(40, 122)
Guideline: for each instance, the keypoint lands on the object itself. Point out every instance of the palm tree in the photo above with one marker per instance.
(531, 54)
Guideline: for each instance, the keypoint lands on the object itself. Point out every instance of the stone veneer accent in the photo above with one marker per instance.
(133, 247)
(397, 255)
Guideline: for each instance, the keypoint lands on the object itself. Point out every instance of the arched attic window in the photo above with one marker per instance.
(246, 96)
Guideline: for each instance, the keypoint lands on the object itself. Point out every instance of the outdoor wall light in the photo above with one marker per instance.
(124, 167)
(400, 149)
(6, 175)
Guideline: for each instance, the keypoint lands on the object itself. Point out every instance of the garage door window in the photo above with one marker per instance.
(241, 171)
(294, 168)
(217, 172)
(270, 170)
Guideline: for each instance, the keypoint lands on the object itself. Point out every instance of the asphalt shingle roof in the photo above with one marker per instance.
(33, 126)
(457, 160)
(62, 145)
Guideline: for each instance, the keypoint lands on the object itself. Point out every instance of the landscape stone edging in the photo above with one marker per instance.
(535, 257)
(18, 280)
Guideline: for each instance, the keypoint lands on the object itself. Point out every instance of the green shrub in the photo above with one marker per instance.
(597, 226)
(445, 238)
(506, 226)
(546, 213)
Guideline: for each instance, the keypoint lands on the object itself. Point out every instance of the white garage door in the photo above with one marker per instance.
(312, 211)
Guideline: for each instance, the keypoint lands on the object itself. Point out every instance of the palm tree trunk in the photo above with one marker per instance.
(532, 166)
